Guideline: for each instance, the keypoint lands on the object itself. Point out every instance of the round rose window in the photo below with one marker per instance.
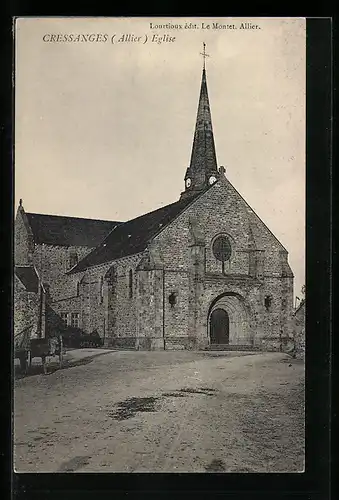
(222, 248)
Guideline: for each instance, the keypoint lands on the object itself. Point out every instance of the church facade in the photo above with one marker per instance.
(202, 271)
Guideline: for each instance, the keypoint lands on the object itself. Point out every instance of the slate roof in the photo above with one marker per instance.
(68, 231)
(132, 236)
(28, 277)
(203, 157)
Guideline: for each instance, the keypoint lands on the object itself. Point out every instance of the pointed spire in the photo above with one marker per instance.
(203, 162)
(203, 152)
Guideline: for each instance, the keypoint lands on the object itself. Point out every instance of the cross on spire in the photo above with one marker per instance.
(204, 55)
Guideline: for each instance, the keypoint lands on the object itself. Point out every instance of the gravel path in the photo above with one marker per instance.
(163, 412)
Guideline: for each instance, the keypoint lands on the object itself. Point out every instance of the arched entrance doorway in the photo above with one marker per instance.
(229, 320)
(219, 327)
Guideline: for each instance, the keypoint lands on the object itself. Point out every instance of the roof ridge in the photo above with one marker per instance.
(151, 212)
(74, 217)
(154, 231)
(189, 203)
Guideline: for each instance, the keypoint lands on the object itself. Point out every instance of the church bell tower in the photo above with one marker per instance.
(202, 171)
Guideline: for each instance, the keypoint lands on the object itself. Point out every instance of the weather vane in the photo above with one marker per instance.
(204, 53)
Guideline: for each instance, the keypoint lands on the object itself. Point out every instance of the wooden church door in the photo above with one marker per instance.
(219, 327)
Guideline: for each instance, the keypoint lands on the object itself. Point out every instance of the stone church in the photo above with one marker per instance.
(202, 271)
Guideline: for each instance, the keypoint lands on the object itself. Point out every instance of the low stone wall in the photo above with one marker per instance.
(268, 344)
(299, 345)
(150, 344)
(275, 343)
(120, 342)
(294, 346)
(153, 343)
(177, 343)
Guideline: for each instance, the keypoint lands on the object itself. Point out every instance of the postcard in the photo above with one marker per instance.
(159, 281)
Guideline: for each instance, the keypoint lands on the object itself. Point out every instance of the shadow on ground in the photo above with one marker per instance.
(53, 367)
(216, 466)
(130, 407)
(74, 463)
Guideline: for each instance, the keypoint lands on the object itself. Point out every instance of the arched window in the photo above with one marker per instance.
(222, 250)
(111, 276)
(172, 299)
(268, 302)
(130, 283)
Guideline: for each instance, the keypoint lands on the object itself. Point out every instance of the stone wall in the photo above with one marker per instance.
(299, 331)
(149, 308)
(23, 240)
(175, 290)
(29, 311)
(164, 296)
(107, 301)
(26, 308)
(52, 263)
(222, 211)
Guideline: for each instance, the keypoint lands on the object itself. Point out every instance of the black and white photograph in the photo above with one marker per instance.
(159, 245)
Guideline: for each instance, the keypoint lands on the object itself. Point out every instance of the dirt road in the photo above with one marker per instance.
(163, 412)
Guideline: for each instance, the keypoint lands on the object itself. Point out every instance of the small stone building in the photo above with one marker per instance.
(299, 329)
(203, 270)
(29, 304)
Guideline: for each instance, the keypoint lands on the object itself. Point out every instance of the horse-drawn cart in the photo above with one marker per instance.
(28, 346)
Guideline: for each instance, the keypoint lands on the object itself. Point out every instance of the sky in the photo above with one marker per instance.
(104, 129)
